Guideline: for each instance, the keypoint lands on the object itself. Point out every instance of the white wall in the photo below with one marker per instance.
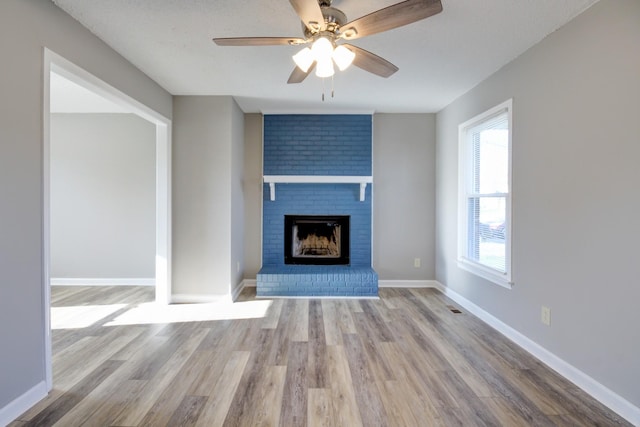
(102, 189)
(207, 168)
(404, 196)
(26, 27)
(575, 185)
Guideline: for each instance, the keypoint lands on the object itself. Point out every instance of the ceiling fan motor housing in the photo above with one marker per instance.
(333, 20)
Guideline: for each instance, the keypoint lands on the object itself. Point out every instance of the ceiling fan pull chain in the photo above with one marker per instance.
(331, 86)
(323, 89)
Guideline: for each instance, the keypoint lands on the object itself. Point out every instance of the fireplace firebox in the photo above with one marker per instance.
(316, 240)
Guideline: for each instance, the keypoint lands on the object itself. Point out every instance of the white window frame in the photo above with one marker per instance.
(464, 170)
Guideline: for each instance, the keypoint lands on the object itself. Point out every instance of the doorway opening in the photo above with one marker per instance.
(59, 66)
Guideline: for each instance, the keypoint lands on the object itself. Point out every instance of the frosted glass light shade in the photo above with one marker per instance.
(304, 59)
(343, 57)
(325, 68)
(322, 49)
(322, 52)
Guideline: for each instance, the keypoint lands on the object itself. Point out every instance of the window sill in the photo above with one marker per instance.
(487, 273)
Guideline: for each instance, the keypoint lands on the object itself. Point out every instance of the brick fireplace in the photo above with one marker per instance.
(323, 147)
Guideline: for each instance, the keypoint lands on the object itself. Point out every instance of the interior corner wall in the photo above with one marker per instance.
(575, 185)
(207, 168)
(252, 190)
(237, 198)
(26, 28)
(404, 196)
(102, 192)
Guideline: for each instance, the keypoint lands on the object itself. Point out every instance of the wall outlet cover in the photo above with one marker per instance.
(545, 315)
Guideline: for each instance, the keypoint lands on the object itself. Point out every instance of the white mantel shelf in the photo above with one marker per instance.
(272, 180)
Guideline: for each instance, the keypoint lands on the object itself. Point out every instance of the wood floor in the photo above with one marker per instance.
(404, 360)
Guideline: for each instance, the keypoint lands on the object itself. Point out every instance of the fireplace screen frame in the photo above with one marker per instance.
(341, 220)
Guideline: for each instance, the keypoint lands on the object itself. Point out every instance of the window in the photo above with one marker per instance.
(484, 208)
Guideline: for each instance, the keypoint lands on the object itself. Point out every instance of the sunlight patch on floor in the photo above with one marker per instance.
(149, 313)
(81, 316)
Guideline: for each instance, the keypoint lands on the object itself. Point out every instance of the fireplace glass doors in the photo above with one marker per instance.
(319, 240)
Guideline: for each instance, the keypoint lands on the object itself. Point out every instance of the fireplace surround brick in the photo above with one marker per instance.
(339, 145)
(317, 144)
(317, 281)
(317, 199)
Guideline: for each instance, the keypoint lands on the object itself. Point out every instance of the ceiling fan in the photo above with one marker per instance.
(324, 26)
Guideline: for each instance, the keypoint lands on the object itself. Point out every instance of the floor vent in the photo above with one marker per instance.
(454, 310)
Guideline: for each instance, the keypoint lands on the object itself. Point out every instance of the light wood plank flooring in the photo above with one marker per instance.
(403, 360)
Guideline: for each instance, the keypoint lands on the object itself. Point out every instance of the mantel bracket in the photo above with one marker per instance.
(272, 180)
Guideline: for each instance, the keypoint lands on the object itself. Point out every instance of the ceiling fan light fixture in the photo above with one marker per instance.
(324, 25)
(324, 68)
(343, 57)
(304, 59)
(322, 49)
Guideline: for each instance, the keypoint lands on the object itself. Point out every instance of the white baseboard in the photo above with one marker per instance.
(598, 391)
(22, 403)
(407, 284)
(137, 281)
(203, 298)
(249, 283)
(235, 293)
(197, 298)
(246, 283)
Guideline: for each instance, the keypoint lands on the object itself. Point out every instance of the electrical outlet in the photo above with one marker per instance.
(545, 315)
(416, 262)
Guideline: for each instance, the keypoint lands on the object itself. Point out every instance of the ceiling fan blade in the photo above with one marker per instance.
(310, 13)
(371, 62)
(258, 41)
(297, 75)
(394, 16)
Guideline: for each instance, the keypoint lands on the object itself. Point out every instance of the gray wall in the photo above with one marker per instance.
(575, 185)
(26, 26)
(252, 186)
(102, 196)
(237, 198)
(404, 196)
(208, 132)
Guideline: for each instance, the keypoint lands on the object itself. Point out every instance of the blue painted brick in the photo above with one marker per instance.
(317, 145)
(320, 137)
(300, 280)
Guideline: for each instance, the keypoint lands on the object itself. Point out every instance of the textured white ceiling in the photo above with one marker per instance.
(440, 58)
